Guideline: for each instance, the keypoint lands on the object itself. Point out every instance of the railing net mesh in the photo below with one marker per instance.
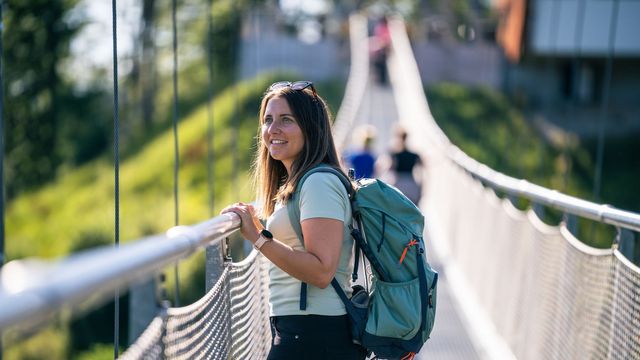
(230, 322)
(250, 330)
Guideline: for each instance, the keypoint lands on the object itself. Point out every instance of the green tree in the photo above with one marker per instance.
(36, 39)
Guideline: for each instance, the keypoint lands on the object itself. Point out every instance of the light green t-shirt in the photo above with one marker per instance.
(322, 196)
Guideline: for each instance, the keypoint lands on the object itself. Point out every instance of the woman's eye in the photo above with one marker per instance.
(268, 120)
(287, 120)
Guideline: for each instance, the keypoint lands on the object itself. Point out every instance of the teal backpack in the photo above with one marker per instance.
(395, 317)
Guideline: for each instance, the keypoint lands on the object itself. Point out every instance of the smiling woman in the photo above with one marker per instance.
(307, 321)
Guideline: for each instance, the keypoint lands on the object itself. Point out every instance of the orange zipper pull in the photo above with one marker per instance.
(406, 248)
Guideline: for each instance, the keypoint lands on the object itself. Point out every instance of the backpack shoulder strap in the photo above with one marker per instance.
(293, 209)
(293, 204)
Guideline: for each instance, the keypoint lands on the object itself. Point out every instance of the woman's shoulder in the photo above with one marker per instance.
(319, 180)
(325, 183)
(323, 195)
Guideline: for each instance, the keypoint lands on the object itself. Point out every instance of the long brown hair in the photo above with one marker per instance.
(312, 115)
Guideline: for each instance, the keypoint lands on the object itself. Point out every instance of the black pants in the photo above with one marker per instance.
(313, 337)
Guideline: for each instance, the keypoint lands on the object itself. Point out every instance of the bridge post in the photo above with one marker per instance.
(143, 307)
(214, 264)
(539, 210)
(572, 223)
(627, 244)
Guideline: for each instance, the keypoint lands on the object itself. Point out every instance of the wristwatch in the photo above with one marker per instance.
(265, 236)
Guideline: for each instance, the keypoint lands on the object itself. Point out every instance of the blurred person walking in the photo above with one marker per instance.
(404, 167)
(362, 159)
(380, 45)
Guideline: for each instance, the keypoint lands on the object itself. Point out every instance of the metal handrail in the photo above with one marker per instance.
(33, 290)
(569, 204)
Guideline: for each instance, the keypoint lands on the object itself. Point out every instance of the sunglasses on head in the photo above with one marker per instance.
(296, 85)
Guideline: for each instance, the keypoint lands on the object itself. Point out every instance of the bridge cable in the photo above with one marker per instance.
(553, 45)
(574, 86)
(175, 137)
(210, 116)
(116, 166)
(256, 32)
(236, 116)
(1, 148)
(604, 108)
(1, 152)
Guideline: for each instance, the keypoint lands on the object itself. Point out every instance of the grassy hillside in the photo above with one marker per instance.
(53, 220)
(487, 127)
(77, 210)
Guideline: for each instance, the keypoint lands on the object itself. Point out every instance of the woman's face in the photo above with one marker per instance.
(281, 133)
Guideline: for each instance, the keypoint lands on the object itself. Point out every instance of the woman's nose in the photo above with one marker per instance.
(273, 128)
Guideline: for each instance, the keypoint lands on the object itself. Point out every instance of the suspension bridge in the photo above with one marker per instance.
(512, 286)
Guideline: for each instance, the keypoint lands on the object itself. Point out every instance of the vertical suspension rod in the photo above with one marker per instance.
(116, 166)
(1, 151)
(210, 116)
(604, 108)
(175, 136)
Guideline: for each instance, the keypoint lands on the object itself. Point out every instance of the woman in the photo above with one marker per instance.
(295, 136)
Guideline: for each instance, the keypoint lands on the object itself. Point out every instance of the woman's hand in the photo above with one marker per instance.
(250, 226)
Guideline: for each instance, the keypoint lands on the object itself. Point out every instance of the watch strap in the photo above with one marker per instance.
(261, 241)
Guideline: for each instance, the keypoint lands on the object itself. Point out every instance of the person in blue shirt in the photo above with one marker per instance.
(363, 159)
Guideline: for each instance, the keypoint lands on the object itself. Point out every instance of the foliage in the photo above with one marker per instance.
(484, 125)
(50, 344)
(620, 172)
(80, 203)
(41, 109)
(97, 352)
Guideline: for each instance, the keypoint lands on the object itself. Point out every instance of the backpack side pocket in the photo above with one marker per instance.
(395, 310)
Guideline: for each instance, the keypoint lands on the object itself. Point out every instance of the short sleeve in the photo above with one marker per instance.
(323, 196)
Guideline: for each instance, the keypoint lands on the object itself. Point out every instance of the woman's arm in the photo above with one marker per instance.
(317, 264)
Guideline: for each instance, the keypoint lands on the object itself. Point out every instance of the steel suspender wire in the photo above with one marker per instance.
(175, 137)
(602, 123)
(210, 119)
(257, 39)
(1, 152)
(236, 113)
(116, 166)
(1, 148)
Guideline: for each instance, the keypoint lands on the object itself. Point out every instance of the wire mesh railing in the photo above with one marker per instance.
(230, 321)
(543, 292)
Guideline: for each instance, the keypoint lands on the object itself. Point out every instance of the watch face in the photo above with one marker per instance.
(266, 233)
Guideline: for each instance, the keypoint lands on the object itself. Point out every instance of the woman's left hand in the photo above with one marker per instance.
(250, 226)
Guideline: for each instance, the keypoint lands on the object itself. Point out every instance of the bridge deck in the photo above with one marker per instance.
(450, 339)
